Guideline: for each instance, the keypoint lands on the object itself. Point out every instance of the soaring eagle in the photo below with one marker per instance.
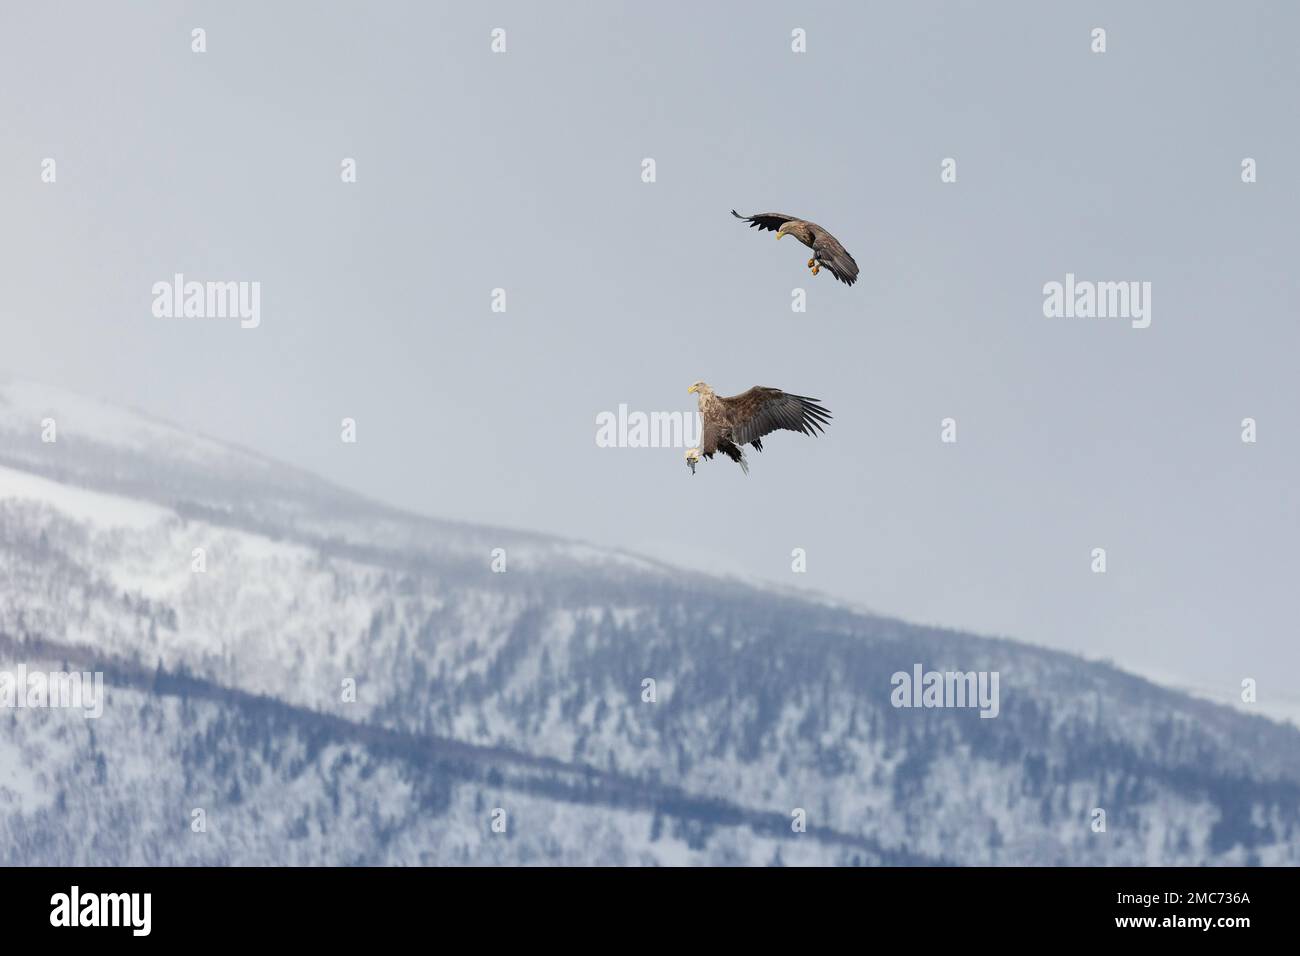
(827, 251)
(731, 423)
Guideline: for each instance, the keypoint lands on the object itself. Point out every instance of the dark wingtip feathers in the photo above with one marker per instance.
(815, 416)
(749, 219)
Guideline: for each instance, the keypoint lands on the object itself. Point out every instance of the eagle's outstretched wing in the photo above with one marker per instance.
(771, 221)
(761, 410)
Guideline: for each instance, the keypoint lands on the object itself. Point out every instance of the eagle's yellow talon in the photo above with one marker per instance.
(816, 269)
(812, 262)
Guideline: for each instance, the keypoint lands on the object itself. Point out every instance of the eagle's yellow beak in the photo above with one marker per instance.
(780, 234)
(691, 389)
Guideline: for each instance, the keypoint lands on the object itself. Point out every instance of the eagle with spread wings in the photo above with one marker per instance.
(731, 423)
(827, 251)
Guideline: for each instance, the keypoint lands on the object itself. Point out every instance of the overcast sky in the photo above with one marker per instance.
(523, 171)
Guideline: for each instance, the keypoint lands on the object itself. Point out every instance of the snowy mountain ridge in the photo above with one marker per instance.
(340, 682)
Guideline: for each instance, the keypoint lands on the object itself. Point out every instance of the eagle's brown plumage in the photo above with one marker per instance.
(827, 251)
(731, 423)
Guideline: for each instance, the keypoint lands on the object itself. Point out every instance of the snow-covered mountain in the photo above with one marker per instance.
(500, 711)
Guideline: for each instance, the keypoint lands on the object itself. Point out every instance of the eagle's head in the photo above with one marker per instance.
(700, 387)
(794, 228)
(692, 458)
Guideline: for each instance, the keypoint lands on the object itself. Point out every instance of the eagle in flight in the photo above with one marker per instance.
(827, 251)
(731, 423)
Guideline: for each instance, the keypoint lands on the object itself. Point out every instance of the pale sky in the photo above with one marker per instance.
(522, 171)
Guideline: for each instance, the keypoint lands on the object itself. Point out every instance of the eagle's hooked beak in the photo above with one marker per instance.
(780, 234)
(691, 389)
